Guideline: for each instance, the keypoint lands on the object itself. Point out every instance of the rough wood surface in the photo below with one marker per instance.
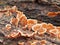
(34, 11)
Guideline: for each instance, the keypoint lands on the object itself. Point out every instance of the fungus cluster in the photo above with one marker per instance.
(53, 14)
(29, 27)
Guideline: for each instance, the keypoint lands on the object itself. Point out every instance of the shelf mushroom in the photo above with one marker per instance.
(36, 27)
(30, 23)
(53, 32)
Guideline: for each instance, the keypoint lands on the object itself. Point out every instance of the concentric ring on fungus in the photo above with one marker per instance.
(13, 34)
(53, 32)
(42, 31)
(27, 33)
(36, 27)
(23, 20)
(19, 14)
(50, 26)
(30, 23)
(44, 25)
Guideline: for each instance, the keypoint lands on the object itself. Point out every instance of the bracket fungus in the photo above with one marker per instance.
(13, 34)
(53, 32)
(53, 14)
(27, 33)
(14, 21)
(30, 23)
(23, 20)
(21, 26)
(36, 27)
